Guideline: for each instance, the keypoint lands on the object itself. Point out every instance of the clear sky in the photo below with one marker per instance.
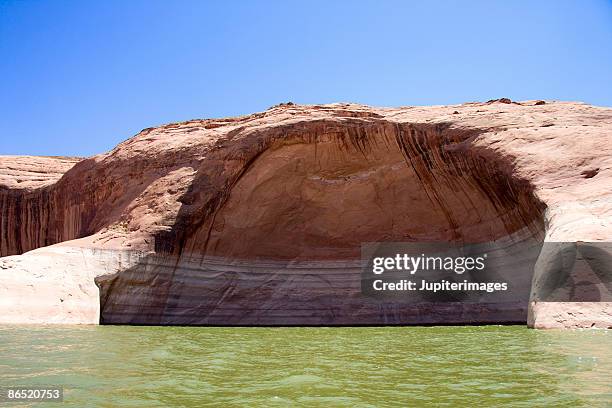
(78, 77)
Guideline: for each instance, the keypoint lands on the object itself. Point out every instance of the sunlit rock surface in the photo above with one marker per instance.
(259, 219)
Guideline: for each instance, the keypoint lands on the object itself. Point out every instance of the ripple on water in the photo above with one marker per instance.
(362, 366)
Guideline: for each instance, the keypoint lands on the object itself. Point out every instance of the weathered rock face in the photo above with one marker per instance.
(26, 203)
(259, 219)
(330, 188)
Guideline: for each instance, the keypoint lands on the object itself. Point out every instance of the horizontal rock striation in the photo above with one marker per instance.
(305, 185)
(205, 290)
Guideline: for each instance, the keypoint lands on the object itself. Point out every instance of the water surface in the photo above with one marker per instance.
(345, 367)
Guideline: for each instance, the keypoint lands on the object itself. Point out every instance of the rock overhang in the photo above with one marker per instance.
(186, 189)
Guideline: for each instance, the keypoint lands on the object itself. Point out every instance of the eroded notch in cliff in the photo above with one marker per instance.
(319, 191)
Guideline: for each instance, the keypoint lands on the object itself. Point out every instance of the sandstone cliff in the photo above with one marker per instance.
(259, 219)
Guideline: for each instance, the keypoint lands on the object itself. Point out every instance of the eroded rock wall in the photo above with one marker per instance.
(308, 184)
(56, 284)
(26, 204)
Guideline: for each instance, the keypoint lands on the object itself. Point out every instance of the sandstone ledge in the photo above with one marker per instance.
(570, 315)
(32, 172)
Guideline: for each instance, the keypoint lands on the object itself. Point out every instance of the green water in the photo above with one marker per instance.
(387, 366)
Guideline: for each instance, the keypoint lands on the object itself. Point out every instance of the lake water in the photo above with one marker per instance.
(364, 366)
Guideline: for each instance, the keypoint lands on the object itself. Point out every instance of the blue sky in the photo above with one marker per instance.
(76, 78)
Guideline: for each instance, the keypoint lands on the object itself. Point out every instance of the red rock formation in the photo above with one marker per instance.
(25, 202)
(306, 184)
